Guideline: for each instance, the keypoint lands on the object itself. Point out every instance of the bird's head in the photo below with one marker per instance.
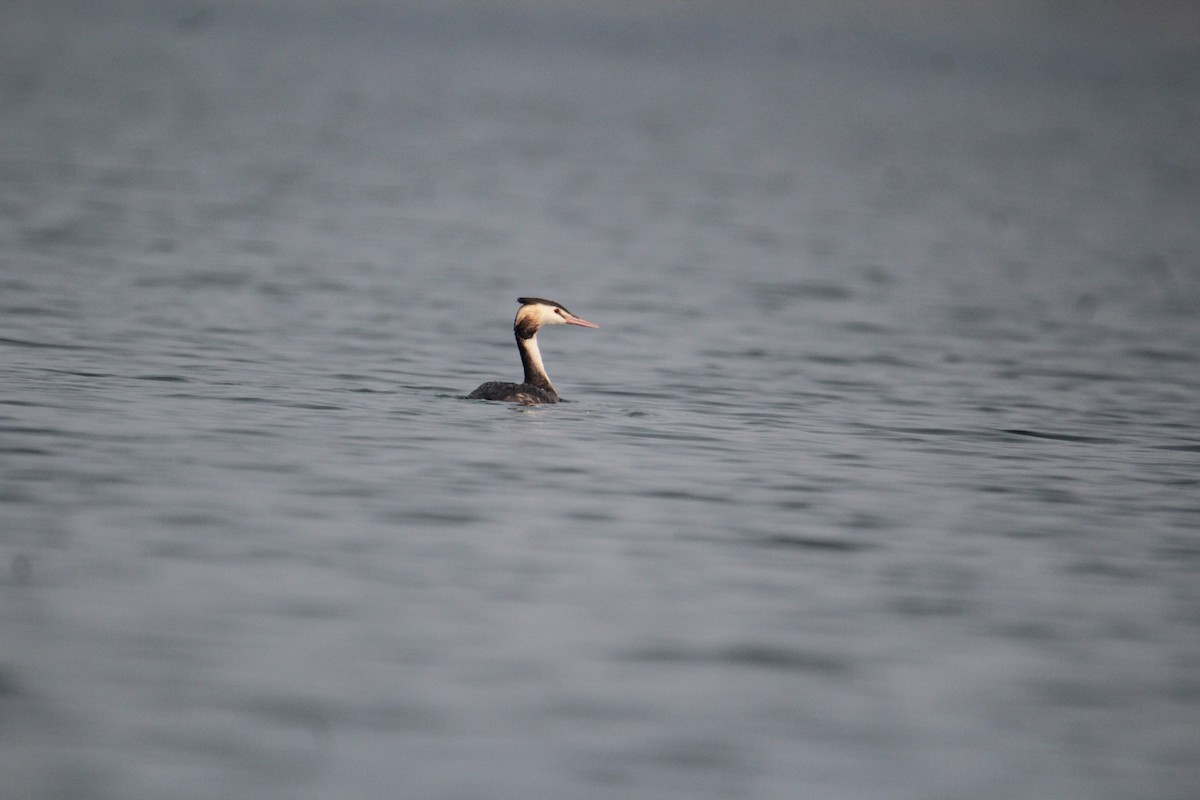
(536, 312)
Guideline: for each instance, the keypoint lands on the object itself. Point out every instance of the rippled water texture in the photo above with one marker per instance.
(878, 480)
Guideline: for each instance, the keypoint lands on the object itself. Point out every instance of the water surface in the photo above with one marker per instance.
(879, 479)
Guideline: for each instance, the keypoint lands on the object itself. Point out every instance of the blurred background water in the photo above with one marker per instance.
(879, 479)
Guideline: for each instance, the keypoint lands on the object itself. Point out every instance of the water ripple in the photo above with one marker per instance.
(1061, 437)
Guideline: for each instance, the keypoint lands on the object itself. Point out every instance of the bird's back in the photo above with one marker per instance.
(505, 392)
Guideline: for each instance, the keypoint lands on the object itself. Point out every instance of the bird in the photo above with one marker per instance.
(536, 389)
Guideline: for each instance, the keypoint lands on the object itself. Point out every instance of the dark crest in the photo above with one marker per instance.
(527, 301)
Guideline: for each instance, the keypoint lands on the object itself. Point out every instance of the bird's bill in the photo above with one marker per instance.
(571, 319)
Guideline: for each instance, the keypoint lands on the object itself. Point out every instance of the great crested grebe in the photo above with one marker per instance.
(531, 316)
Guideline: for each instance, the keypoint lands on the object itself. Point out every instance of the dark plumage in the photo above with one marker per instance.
(508, 392)
(537, 389)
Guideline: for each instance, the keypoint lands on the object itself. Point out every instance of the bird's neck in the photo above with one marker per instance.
(531, 360)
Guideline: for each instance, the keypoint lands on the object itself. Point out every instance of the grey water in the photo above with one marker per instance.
(880, 478)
